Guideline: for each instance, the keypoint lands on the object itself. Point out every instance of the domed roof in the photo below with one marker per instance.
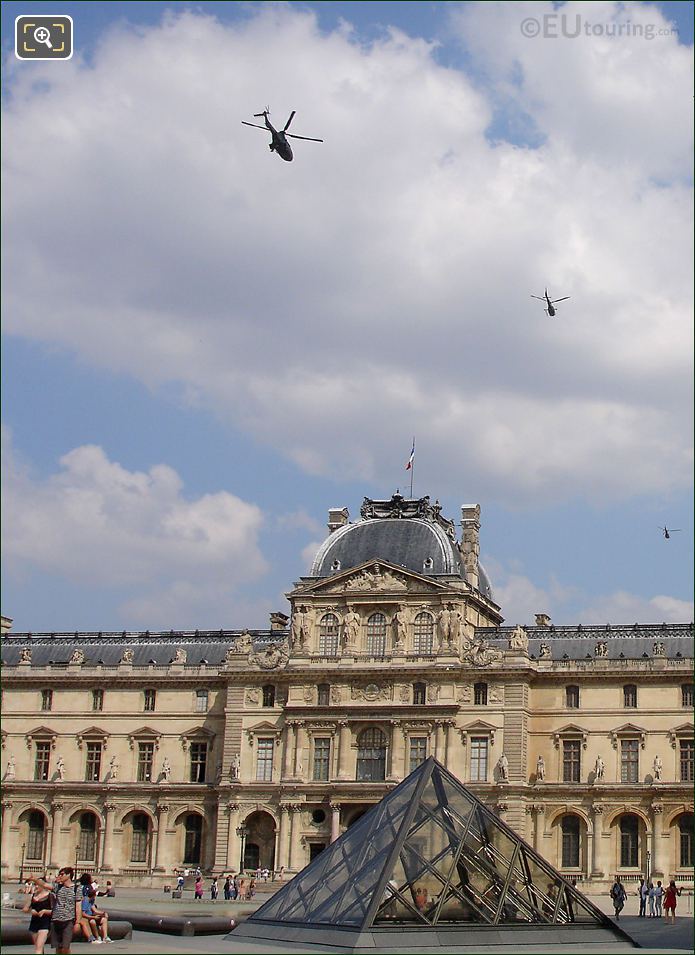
(407, 533)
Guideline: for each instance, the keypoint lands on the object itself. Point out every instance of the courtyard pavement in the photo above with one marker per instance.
(653, 935)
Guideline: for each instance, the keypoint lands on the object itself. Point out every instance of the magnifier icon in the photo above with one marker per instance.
(43, 35)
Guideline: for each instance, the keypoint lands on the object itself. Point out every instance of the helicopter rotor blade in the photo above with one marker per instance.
(309, 138)
(255, 125)
(287, 124)
(554, 300)
(539, 297)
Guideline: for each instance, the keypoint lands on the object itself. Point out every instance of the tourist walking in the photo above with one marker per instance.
(199, 889)
(66, 911)
(658, 898)
(40, 905)
(670, 901)
(651, 896)
(642, 892)
(619, 895)
(227, 889)
(213, 890)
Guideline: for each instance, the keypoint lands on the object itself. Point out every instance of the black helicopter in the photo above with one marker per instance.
(279, 142)
(667, 531)
(550, 302)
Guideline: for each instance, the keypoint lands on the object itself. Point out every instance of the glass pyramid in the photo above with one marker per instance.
(430, 853)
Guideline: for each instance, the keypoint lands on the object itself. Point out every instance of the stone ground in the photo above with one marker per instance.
(654, 935)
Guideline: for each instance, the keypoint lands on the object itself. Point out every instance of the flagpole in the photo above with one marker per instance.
(412, 473)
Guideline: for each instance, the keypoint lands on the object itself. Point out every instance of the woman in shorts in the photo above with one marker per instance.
(41, 907)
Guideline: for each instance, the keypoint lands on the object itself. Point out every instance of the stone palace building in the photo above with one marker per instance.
(136, 753)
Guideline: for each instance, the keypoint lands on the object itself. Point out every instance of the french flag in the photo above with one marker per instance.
(410, 459)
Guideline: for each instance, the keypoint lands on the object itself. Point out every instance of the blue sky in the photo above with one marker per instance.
(205, 348)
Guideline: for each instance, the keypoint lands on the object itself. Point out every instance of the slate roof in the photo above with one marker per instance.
(629, 642)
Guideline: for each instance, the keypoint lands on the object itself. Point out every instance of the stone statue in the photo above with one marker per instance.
(518, 639)
(455, 625)
(180, 655)
(113, 768)
(400, 624)
(601, 649)
(599, 767)
(336, 695)
(25, 655)
(300, 627)
(540, 769)
(503, 769)
(77, 656)
(544, 651)
(235, 767)
(658, 768)
(351, 628)
(127, 656)
(60, 767)
(659, 649)
(10, 772)
(166, 770)
(444, 626)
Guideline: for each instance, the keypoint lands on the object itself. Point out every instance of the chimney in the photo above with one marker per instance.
(6, 624)
(279, 621)
(470, 542)
(542, 620)
(337, 517)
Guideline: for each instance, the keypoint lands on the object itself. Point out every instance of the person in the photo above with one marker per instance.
(199, 888)
(618, 894)
(265, 874)
(251, 891)
(281, 873)
(108, 891)
(41, 907)
(420, 899)
(548, 906)
(227, 890)
(86, 921)
(642, 892)
(670, 901)
(180, 882)
(241, 889)
(658, 898)
(100, 916)
(213, 890)
(66, 911)
(651, 897)
(234, 889)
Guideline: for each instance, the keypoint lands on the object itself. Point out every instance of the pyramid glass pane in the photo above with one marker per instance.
(430, 853)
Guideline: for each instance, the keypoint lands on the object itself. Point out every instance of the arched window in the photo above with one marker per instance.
(685, 825)
(423, 633)
(328, 635)
(376, 635)
(141, 831)
(371, 755)
(629, 842)
(36, 835)
(87, 847)
(570, 842)
(194, 838)
(269, 695)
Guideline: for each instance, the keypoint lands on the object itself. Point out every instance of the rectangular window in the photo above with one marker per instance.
(418, 751)
(570, 842)
(145, 761)
(46, 699)
(572, 697)
(322, 756)
(419, 694)
(150, 699)
(629, 760)
(199, 759)
(630, 695)
(43, 759)
(479, 746)
(687, 694)
(571, 760)
(264, 760)
(201, 701)
(138, 848)
(97, 699)
(687, 760)
(480, 694)
(35, 837)
(324, 694)
(93, 766)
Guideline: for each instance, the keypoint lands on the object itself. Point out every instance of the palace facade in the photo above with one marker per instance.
(137, 753)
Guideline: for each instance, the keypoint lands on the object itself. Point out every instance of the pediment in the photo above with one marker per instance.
(198, 731)
(42, 731)
(629, 729)
(373, 576)
(92, 731)
(264, 727)
(145, 731)
(479, 726)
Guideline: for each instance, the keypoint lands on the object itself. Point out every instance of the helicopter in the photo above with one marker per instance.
(279, 142)
(550, 302)
(667, 531)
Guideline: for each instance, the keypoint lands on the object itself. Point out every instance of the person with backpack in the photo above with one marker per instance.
(619, 895)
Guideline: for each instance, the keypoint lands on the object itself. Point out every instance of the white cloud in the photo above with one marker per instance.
(100, 525)
(379, 285)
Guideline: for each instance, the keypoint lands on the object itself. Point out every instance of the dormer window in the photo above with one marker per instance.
(428, 565)
(335, 566)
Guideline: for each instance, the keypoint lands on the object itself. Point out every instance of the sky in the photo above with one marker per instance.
(205, 348)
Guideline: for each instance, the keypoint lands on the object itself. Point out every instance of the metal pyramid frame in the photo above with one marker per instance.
(429, 854)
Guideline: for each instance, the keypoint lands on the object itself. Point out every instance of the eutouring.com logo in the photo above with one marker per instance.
(554, 26)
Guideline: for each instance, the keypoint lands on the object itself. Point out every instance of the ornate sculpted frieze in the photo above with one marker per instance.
(370, 692)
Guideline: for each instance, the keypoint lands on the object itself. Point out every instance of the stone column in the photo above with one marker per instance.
(335, 820)
(160, 850)
(596, 870)
(657, 870)
(231, 855)
(301, 764)
(397, 747)
(439, 740)
(294, 837)
(5, 840)
(107, 848)
(344, 754)
(290, 744)
(284, 838)
(55, 860)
